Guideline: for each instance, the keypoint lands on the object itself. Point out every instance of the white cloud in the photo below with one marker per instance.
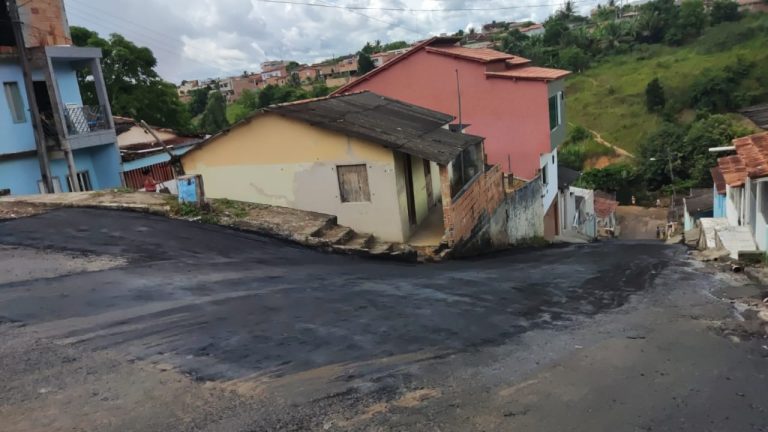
(207, 38)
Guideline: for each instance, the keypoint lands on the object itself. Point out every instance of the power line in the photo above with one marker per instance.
(402, 9)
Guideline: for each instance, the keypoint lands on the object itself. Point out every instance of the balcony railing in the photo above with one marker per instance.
(86, 119)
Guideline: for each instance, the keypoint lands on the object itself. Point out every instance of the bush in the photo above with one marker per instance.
(655, 101)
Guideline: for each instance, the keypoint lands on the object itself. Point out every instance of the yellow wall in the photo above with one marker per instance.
(420, 198)
(280, 161)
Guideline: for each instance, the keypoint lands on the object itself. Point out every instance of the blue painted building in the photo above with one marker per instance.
(718, 193)
(79, 139)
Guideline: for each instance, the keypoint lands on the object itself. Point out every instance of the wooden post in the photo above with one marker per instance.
(178, 169)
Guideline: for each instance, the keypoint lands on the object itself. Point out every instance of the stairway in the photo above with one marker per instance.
(338, 238)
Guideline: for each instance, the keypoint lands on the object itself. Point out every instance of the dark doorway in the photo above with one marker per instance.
(428, 180)
(6, 30)
(409, 190)
(42, 97)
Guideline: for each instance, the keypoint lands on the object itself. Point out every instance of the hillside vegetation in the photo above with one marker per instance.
(609, 98)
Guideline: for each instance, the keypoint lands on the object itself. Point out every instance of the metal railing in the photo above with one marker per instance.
(85, 119)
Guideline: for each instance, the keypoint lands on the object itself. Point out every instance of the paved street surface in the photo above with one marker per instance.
(117, 321)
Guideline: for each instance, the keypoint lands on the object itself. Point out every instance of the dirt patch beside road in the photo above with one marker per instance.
(639, 223)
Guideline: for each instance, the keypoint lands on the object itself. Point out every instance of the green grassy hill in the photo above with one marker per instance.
(609, 98)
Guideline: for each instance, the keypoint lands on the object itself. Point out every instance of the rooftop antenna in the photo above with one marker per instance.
(458, 92)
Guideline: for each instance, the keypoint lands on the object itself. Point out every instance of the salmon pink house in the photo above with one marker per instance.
(519, 108)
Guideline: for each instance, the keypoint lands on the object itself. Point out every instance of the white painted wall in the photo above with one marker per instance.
(761, 219)
(733, 204)
(548, 162)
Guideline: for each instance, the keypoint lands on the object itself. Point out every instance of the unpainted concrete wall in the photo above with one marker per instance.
(518, 218)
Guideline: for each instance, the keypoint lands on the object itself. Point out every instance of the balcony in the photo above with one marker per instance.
(85, 119)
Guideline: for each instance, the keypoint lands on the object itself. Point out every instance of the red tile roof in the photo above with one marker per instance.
(530, 73)
(733, 170)
(482, 55)
(753, 151)
(718, 179)
(531, 27)
(517, 61)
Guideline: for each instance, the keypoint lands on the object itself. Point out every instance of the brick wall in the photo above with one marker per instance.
(46, 23)
(479, 200)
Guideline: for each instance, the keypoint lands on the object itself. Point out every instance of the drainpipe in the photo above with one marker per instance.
(34, 110)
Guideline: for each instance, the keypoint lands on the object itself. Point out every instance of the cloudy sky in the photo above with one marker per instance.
(209, 38)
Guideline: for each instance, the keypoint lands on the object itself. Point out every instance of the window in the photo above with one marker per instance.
(465, 167)
(555, 118)
(15, 103)
(56, 185)
(83, 180)
(353, 183)
(544, 179)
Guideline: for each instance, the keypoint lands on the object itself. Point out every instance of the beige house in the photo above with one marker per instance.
(381, 166)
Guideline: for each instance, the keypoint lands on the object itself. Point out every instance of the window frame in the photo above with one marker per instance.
(558, 102)
(15, 101)
(347, 198)
(83, 181)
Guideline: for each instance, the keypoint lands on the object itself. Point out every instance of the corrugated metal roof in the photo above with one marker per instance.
(566, 177)
(391, 123)
(530, 73)
(758, 114)
(699, 204)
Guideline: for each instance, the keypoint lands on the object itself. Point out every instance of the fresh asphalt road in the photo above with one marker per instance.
(307, 340)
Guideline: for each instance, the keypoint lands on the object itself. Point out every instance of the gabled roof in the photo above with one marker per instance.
(388, 122)
(753, 151)
(718, 179)
(530, 73)
(447, 46)
(482, 55)
(733, 170)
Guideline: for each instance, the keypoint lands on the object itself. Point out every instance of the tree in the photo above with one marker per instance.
(655, 100)
(612, 178)
(692, 18)
(514, 42)
(134, 87)
(364, 63)
(215, 116)
(574, 59)
(198, 100)
(659, 149)
(723, 11)
(292, 66)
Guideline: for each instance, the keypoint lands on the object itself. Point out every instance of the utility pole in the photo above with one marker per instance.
(175, 161)
(458, 92)
(42, 151)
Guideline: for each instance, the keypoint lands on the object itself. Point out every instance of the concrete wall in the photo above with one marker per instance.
(518, 218)
(16, 137)
(548, 163)
(718, 204)
(66, 81)
(280, 161)
(733, 205)
(103, 164)
(761, 217)
(512, 115)
(558, 135)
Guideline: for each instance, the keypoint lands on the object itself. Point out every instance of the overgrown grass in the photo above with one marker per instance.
(215, 211)
(610, 97)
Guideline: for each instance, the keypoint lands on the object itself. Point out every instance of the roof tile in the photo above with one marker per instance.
(733, 170)
(483, 55)
(530, 73)
(718, 179)
(753, 151)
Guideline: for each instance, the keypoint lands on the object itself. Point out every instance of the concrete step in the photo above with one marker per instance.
(736, 240)
(338, 235)
(381, 248)
(359, 241)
